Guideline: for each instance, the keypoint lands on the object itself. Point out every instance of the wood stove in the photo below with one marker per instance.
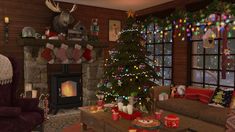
(66, 90)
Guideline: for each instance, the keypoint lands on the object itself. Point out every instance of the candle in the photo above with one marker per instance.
(28, 87)
(34, 93)
(6, 20)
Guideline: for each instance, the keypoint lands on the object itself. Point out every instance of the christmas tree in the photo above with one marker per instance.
(127, 71)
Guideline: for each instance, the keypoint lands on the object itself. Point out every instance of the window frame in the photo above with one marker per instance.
(204, 69)
(162, 55)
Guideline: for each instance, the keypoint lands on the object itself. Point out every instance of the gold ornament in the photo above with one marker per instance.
(130, 13)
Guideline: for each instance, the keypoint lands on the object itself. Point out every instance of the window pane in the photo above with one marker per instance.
(211, 86)
(231, 45)
(160, 73)
(211, 62)
(150, 34)
(197, 84)
(197, 48)
(168, 61)
(167, 48)
(167, 82)
(197, 76)
(168, 36)
(230, 65)
(229, 81)
(167, 73)
(150, 51)
(211, 77)
(158, 38)
(197, 62)
(159, 60)
(159, 82)
(158, 49)
(212, 50)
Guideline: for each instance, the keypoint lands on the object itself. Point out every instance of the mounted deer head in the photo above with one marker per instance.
(61, 21)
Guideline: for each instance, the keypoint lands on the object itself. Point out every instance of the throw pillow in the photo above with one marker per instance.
(201, 94)
(177, 91)
(9, 111)
(221, 97)
(232, 104)
(191, 94)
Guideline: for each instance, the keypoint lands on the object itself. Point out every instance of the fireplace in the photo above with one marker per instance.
(66, 90)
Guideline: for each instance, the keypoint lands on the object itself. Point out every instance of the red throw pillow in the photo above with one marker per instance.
(191, 94)
(201, 94)
(205, 95)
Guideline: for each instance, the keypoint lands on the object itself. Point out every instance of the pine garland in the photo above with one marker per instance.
(215, 7)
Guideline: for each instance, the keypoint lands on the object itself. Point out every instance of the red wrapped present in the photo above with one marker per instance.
(171, 121)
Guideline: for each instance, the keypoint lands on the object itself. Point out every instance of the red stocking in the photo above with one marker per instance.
(87, 53)
(77, 54)
(47, 53)
(61, 54)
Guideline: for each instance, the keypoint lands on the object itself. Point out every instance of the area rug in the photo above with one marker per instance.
(65, 118)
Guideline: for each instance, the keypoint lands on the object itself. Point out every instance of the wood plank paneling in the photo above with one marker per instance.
(34, 13)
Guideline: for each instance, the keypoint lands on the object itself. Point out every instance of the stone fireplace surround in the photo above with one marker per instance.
(37, 71)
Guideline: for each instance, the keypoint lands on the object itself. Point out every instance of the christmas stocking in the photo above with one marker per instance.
(47, 53)
(61, 54)
(77, 53)
(87, 53)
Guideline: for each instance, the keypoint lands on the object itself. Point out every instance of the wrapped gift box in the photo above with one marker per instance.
(171, 121)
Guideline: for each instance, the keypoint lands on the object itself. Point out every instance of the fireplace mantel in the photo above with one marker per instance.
(42, 42)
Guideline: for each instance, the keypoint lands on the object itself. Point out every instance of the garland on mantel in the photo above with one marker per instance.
(215, 7)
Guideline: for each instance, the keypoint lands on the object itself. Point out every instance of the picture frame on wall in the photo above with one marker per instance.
(114, 29)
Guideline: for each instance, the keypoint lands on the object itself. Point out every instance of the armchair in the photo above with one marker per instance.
(16, 114)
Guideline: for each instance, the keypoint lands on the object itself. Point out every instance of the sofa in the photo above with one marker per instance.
(193, 114)
(17, 114)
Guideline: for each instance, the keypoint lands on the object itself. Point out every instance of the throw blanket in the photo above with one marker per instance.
(6, 70)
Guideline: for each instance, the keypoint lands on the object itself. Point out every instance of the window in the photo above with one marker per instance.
(206, 67)
(159, 48)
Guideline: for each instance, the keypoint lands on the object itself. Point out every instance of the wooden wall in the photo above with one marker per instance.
(34, 13)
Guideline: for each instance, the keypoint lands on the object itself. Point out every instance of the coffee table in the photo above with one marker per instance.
(102, 122)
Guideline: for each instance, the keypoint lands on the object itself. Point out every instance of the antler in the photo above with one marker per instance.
(73, 8)
(51, 5)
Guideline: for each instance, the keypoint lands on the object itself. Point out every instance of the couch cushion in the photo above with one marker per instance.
(5, 94)
(9, 111)
(214, 115)
(182, 106)
(31, 118)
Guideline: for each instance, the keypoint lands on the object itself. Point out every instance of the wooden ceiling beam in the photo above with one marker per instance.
(175, 4)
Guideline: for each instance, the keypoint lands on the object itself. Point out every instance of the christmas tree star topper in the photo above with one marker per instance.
(130, 13)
